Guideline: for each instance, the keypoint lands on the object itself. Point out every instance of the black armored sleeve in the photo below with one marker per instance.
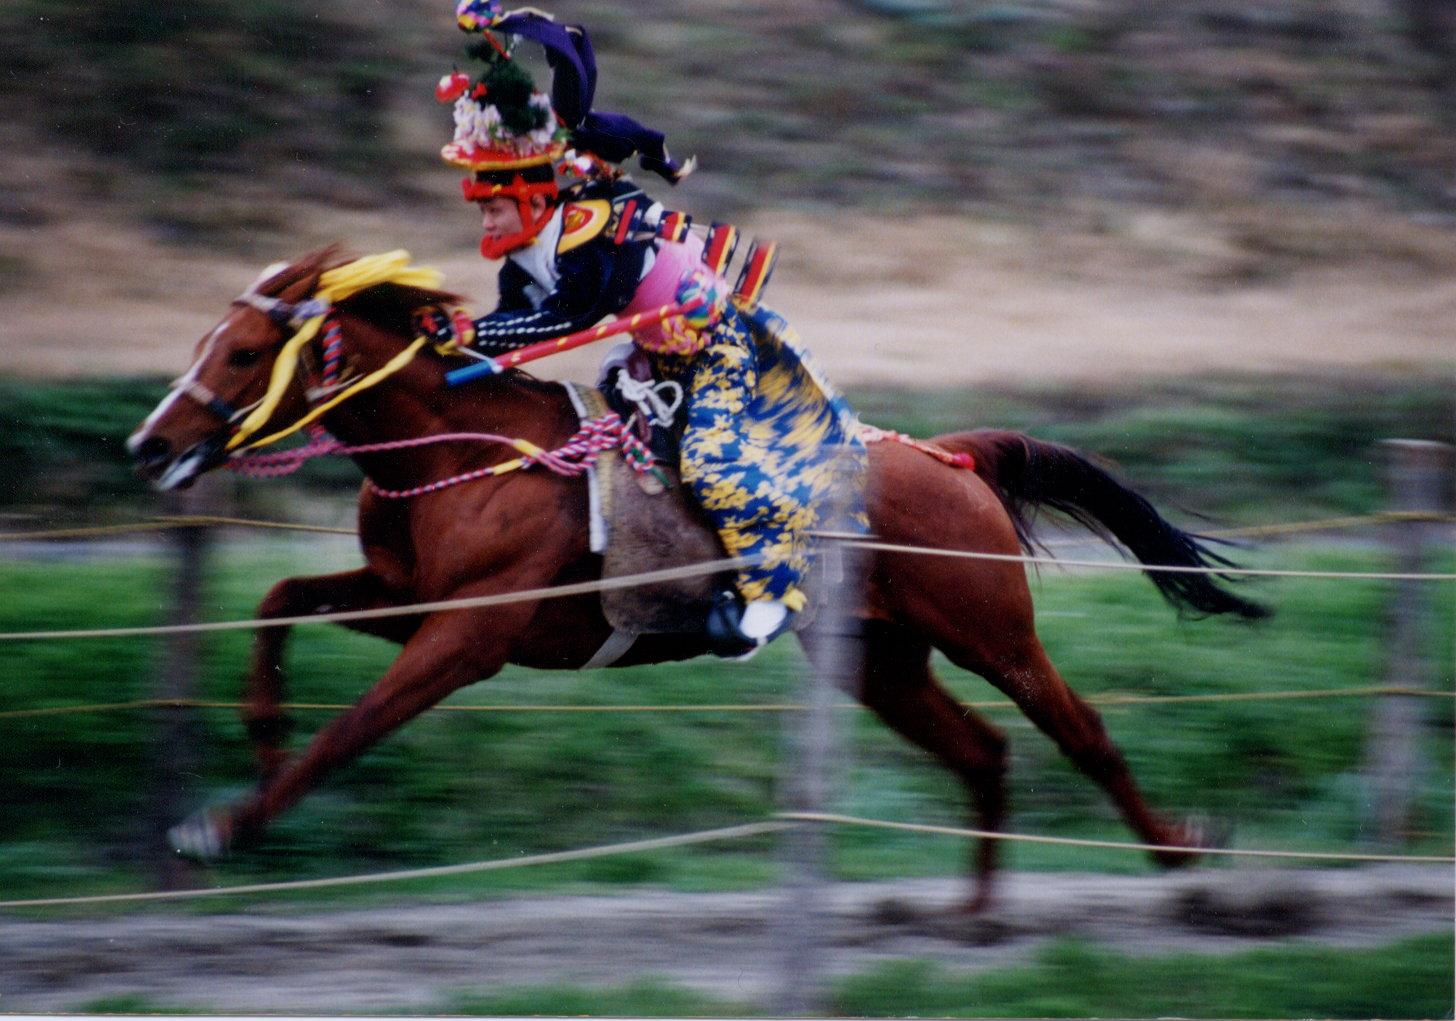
(597, 279)
(512, 284)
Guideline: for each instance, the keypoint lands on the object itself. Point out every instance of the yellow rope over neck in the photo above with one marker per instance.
(334, 286)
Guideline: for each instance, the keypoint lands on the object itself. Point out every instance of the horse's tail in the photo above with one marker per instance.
(1028, 474)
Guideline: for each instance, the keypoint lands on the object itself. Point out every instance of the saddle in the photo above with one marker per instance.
(654, 531)
(650, 522)
(647, 522)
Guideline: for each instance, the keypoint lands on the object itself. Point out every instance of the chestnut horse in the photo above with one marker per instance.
(528, 530)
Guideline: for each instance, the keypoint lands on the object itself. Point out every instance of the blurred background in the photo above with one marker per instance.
(1210, 241)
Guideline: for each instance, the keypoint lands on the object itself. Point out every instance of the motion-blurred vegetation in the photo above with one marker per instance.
(1251, 450)
(1027, 108)
(205, 88)
(1067, 979)
(463, 786)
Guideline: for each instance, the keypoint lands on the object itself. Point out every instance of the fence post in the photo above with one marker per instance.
(175, 757)
(1419, 478)
(833, 642)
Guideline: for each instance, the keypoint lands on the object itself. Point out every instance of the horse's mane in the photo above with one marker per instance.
(391, 306)
(387, 306)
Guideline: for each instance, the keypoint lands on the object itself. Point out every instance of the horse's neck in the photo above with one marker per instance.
(414, 404)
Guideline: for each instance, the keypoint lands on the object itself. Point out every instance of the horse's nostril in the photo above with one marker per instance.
(152, 449)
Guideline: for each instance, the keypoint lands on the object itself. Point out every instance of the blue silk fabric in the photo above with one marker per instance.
(769, 449)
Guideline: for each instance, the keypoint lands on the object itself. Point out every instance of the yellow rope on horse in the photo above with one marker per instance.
(334, 286)
(389, 368)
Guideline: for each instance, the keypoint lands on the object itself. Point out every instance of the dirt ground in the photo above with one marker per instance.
(924, 303)
(411, 958)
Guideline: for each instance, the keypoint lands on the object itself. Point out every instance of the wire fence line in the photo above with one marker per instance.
(1274, 530)
(1114, 845)
(687, 571)
(1331, 524)
(781, 821)
(1113, 701)
(871, 543)
(165, 523)
(435, 606)
(223, 521)
(434, 872)
(171, 521)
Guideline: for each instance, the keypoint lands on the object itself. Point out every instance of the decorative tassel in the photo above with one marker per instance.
(333, 352)
(757, 268)
(477, 15)
(626, 221)
(674, 226)
(719, 248)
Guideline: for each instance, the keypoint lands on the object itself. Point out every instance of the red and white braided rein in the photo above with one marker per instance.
(573, 457)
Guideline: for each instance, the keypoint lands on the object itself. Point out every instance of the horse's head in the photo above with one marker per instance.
(253, 376)
(232, 369)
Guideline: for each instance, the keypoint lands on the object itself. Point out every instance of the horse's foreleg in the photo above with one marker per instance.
(266, 723)
(900, 688)
(448, 651)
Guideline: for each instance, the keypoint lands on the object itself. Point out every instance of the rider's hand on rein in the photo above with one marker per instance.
(443, 327)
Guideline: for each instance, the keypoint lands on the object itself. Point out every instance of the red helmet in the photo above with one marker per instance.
(521, 185)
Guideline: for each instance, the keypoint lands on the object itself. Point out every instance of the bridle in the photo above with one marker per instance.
(211, 402)
(288, 316)
(306, 318)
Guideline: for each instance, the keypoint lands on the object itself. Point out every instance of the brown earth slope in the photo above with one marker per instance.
(932, 303)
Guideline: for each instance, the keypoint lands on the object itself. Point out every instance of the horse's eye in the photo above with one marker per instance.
(243, 357)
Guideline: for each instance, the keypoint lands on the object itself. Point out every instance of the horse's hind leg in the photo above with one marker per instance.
(361, 589)
(898, 685)
(1022, 670)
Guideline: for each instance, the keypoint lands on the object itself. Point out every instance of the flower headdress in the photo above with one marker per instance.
(502, 122)
(526, 127)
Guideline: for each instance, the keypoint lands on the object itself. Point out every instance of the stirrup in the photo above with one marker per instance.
(721, 628)
(725, 632)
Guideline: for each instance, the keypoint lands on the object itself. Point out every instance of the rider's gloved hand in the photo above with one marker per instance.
(444, 327)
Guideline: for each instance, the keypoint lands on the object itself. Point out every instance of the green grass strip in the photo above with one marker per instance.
(1409, 979)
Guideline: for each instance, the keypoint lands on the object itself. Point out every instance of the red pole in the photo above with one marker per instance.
(531, 352)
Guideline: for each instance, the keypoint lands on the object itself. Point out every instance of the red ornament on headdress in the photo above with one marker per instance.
(452, 87)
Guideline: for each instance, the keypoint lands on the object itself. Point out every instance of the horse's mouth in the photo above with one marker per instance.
(181, 472)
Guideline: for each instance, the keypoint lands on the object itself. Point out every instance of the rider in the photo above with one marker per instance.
(761, 427)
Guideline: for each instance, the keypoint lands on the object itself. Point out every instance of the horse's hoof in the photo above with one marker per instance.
(1198, 833)
(201, 837)
(978, 903)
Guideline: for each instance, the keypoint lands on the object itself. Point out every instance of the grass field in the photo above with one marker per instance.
(1410, 979)
(1067, 979)
(465, 786)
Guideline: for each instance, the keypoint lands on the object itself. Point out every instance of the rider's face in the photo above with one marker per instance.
(500, 216)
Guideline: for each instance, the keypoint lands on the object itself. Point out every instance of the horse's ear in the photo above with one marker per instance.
(303, 275)
(327, 257)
